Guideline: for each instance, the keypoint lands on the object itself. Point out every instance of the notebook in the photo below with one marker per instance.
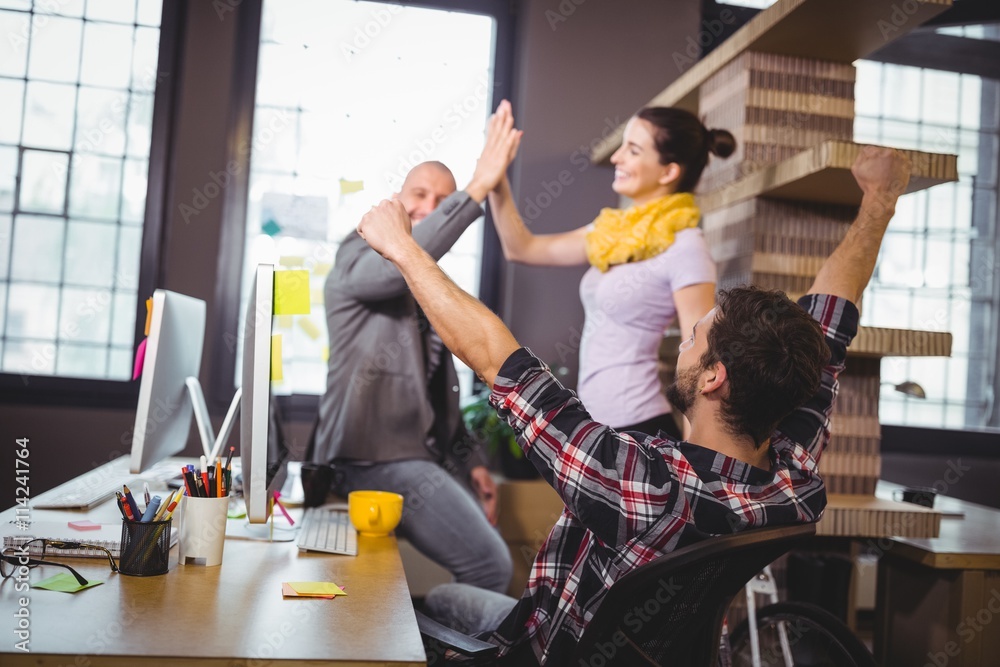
(108, 536)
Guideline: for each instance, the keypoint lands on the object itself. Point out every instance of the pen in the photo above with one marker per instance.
(163, 506)
(126, 508)
(218, 477)
(121, 505)
(132, 504)
(145, 492)
(229, 458)
(184, 476)
(277, 495)
(170, 510)
(204, 474)
(154, 504)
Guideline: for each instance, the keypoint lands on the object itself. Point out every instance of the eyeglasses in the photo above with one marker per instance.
(14, 558)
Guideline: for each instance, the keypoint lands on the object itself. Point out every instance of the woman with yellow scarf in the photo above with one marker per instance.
(650, 264)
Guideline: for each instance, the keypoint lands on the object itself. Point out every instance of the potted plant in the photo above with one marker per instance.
(485, 426)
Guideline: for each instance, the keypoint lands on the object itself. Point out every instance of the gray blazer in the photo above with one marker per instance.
(378, 405)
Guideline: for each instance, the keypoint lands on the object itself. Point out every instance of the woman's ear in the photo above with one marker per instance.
(671, 174)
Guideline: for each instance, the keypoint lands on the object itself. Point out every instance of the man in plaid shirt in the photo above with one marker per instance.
(757, 380)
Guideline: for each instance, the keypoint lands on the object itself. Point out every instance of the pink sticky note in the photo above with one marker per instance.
(140, 357)
(84, 525)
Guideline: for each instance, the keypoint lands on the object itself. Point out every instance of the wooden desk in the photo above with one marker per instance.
(938, 600)
(229, 615)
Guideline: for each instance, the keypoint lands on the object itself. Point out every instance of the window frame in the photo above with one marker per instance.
(51, 390)
(304, 407)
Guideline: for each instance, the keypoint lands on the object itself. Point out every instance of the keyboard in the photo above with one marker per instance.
(100, 484)
(328, 529)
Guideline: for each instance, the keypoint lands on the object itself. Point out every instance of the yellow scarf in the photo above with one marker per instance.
(640, 232)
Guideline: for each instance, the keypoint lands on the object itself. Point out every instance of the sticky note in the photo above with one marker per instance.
(277, 373)
(284, 321)
(291, 260)
(149, 314)
(140, 359)
(316, 588)
(322, 268)
(291, 292)
(324, 354)
(289, 592)
(347, 187)
(64, 582)
(309, 327)
(84, 525)
(316, 295)
(271, 228)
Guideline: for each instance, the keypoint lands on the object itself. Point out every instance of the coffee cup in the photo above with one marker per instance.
(374, 513)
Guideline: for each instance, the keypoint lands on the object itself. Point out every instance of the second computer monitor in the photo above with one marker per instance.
(173, 354)
(261, 452)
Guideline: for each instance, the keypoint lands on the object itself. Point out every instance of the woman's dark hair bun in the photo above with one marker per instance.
(721, 143)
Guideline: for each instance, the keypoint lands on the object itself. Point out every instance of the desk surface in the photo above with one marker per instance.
(970, 541)
(226, 615)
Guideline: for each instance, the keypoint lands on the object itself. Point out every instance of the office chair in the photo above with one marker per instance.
(669, 611)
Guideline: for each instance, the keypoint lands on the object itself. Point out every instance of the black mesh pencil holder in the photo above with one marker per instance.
(145, 548)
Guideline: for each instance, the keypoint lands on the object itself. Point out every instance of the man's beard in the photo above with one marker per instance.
(683, 390)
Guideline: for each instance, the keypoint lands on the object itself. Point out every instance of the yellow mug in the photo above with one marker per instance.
(374, 512)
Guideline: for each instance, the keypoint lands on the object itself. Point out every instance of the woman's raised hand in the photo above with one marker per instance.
(502, 141)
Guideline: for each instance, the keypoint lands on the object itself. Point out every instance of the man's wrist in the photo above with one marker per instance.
(879, 202)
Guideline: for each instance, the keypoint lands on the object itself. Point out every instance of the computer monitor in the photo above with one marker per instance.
(262, 450)
(173, 355)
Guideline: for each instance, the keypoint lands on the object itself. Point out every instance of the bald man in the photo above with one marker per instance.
(390, 418)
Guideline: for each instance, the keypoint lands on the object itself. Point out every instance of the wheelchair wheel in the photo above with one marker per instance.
(816, 638)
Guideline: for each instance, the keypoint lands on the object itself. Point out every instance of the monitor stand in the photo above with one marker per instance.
(210, 444)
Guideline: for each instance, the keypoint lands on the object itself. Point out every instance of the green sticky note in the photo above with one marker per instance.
(291, 292)
(64, 582)
(236, 512)
(316, 588)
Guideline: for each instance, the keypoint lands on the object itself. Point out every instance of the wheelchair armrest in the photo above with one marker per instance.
(454, 640)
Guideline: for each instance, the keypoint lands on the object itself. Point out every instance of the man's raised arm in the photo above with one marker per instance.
(467, 327)
(882, 174)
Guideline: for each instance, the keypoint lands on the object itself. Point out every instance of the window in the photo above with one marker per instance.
(77, 80)
(349, 96)
(937, 264)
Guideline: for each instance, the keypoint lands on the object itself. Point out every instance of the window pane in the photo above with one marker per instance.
(95, 187)
(107, 55)
(37, 252)
(48, 117)
(43, 181)
(111, 10)
(12, 94)
(8, 177)
(14, 45)
(55, 48)
(940, 97)
(148, 12)
(100, 121)
(85, 316)
(123, 325)
(140, 124)
(90, 253)
(134, 191)
(84, 361)
(61, 7)
(29, 358)
(129, 251)
(120, 362)
(5, 229)
(32, 311)
(147, 47)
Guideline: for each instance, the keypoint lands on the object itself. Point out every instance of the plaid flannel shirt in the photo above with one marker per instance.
(631, 497)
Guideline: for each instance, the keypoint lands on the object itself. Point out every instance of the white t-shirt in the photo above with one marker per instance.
(627, 310)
